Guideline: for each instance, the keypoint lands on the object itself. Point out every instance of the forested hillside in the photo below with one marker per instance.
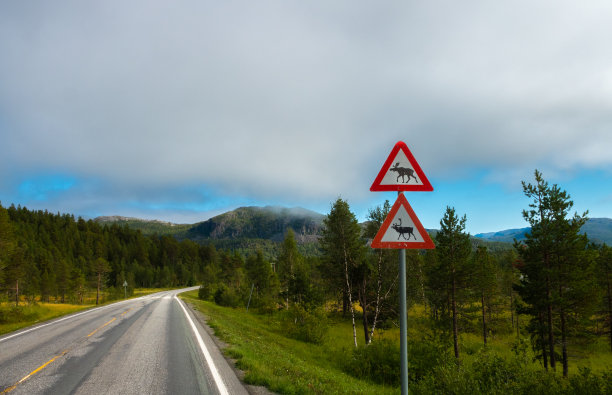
(57, 257)
(260, 223)
(147, 227)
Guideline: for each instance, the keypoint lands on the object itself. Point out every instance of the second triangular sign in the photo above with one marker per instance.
(402, 229)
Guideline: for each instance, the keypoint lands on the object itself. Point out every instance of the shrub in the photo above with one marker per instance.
(424, 356)
(225, 296)
(585, 382)
(206, 291)
(488, 374)
(12, 314)
(378, 361)
(307, 326)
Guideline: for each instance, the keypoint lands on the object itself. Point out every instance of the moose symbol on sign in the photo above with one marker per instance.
(402, 230)
(403, 171)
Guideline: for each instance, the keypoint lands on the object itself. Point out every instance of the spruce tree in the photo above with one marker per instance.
(287, 265)
(557, 269)
(453, 248)
(484, 284)
(7, 242)
(604, 274)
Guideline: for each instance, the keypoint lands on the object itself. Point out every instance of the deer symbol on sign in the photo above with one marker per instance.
(403, 171)
(402, 230)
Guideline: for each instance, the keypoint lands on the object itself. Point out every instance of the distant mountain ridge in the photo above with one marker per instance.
(253, 222)
(146, 226)
(246, 225)
(118, 218)
(270, 222)
(599, 230)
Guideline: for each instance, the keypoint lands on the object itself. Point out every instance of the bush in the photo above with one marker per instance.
(425, 355)
(586, 382)
(225, 296)
(13, 314)
(378, 361)
(206, 291)
(489, 374)
(307, 326)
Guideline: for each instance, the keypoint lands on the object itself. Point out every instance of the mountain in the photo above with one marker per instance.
(506, 236)
(268, 222)
(244, 230)
(599, 230)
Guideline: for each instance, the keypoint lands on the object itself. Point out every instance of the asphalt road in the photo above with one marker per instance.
(149, 345)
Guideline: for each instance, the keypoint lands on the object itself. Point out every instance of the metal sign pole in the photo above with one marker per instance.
(403, 324)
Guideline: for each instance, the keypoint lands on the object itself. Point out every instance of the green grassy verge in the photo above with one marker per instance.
(14, 318)
(281, 364)
(289, 366)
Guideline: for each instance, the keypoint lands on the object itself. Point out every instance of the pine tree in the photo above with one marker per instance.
(7, 242)
(604, 274)
(557, 269)
(287, 265)
(484, 283)
(453, 248)
(100, 268)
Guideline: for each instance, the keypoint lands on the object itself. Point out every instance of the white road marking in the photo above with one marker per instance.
(209, 360)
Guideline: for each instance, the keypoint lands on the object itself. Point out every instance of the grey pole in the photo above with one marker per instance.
(403, 324)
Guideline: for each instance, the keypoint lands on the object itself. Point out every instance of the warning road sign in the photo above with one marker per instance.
(402, 229)
(401, 172)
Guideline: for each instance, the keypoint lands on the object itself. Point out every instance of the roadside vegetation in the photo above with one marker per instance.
(272, 357)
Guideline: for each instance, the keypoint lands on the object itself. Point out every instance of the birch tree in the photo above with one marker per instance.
(384, 270)
(342, 248)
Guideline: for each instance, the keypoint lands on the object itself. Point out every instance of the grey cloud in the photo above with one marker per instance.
(301, 99)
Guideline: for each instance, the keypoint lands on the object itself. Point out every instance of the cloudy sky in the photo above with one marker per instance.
(182, 110)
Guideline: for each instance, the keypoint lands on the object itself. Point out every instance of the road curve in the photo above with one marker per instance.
(148, 345)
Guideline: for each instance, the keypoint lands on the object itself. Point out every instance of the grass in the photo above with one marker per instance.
(14, 318)
(290, 366)
(282, 364)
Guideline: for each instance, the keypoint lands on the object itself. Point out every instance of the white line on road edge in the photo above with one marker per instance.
(209, 360)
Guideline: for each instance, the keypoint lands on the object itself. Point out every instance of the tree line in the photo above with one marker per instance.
(55, 257)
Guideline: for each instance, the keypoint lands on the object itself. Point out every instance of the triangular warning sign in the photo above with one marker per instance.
(401, 172)
(402, 229)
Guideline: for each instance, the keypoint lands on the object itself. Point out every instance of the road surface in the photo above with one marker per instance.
(149, 345)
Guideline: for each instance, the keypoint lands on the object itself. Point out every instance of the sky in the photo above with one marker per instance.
(182, 110)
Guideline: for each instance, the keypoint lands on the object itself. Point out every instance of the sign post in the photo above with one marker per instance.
(403, 322)
(125, 284)
(402, 229)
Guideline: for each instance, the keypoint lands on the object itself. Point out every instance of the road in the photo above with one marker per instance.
(146, 345)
